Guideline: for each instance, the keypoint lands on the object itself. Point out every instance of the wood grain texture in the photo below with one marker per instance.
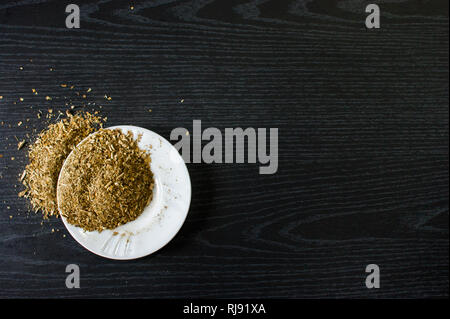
(363, 143)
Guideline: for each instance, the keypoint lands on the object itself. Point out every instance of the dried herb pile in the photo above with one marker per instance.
(106, 182)
(46, 157)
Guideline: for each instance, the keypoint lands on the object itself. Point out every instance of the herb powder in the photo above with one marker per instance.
(105, 182)
(46, 157)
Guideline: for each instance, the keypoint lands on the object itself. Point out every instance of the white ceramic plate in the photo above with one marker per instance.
(160, 220)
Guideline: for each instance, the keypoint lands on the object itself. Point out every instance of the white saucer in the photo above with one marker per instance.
(161, 219)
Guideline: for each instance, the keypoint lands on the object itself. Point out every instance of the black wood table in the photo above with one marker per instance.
(362, 116)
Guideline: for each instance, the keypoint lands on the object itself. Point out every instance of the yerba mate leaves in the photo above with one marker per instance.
(106, 181)
(46, 157)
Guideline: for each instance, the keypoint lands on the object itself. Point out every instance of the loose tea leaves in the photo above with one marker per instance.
(105, 182)
(46, 157)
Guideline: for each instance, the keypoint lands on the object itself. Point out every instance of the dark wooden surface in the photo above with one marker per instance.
(363, 143)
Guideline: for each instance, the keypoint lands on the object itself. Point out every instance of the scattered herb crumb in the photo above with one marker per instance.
(20, 144)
